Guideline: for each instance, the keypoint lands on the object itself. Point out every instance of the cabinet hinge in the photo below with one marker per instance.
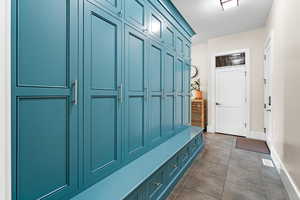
(265, 130)
(265, 57)
(245, 124)
(265, 81)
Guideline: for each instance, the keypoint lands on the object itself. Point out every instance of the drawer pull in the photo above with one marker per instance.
(157, 184)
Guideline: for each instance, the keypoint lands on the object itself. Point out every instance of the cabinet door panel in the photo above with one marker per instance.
(156, 25)
(155, 88)
(44, 125)
(169, 94)
(155, 131)
(43, 57)
(169, 72)
(179, 93)
(102, 104)
(104, 133)
(179, 46)
(169, 36)
(179, 75)
(136, 12)
(169, 115)
(44, 171)
(113, 5)
(156, 68)
(136, 93)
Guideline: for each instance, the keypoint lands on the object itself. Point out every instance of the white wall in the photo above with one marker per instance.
(252, 40)
(284, 23)
(200, 59)
(5, 193)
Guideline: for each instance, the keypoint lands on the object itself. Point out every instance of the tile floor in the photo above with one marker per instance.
(222, 172)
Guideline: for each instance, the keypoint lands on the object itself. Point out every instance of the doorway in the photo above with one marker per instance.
(230, 100)
(229, 92)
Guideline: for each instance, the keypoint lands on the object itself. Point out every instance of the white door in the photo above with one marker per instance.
(267, 95)
(231, 100)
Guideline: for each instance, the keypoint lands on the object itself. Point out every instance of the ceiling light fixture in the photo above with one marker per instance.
(227, 4)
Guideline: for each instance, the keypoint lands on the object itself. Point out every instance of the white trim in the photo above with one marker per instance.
(5, 101)
(289, 184)
(212, 90)
(269, 45)
(257, 135)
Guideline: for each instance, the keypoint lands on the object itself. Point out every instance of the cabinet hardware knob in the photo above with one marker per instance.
(120, 13)
(146, 93)
(157, 184)
(75, 92)
(121, 93)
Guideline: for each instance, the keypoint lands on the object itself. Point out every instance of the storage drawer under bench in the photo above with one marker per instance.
(161, 182)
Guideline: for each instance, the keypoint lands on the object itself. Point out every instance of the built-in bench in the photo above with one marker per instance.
(153, 175)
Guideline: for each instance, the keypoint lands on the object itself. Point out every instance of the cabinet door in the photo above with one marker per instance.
(155, 89)
(44, 125)
(136, 13)
(179, 45)
(179, 93)
(169, 36)
(187, 51)
(169, 94)
(156, 25)
(102, 94)
(113, 5)
(186, 93)
(136, 93)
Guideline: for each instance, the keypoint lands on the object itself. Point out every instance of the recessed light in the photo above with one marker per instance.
(227, 4)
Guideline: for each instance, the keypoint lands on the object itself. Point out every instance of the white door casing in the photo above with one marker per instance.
(231, 100)
(268, 91)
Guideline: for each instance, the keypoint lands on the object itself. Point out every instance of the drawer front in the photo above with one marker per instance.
(138, 194)
(172, 168)
(184, 155)
(156, 184)
(194, 144)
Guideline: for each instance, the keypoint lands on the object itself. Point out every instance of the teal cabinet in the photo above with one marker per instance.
(44, 113)
(102, 94)
(95, 86)
(136, 93)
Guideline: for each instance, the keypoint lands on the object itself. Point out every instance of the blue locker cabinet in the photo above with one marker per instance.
(99, 86)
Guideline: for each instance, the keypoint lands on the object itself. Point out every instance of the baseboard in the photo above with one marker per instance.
(210, 129)
(257, 135)
(289, 184)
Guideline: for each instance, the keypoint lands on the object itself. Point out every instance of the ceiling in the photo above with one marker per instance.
(209, 20)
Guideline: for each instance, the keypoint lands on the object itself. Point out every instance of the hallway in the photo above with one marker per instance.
(227, 173)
